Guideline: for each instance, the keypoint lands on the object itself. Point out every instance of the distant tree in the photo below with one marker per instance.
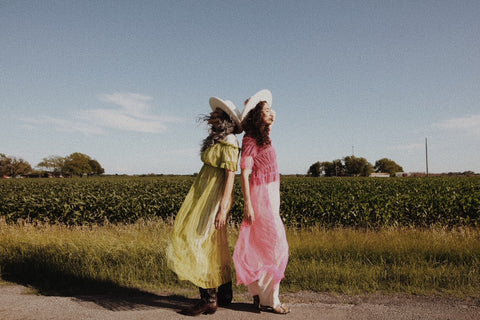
(20, 167)
(315, 169)
(79, 164)
(367, 170)
(334, 169)
(12, 166)
(387, 166)
(357, 166)
(4, 163)
(330, 169)
(53, 164)
(96, 167)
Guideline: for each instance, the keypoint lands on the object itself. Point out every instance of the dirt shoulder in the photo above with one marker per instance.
(19, 302)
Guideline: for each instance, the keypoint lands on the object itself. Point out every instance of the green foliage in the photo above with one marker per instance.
(336, 168)
(350, 166)
(372, 202)
(387, 166)
(355, 166)
(77, 201)
(329, 169)
(52, 163)
(12, 166)
(331, 202)
(76, 164)
(95, 167)
(315, 170)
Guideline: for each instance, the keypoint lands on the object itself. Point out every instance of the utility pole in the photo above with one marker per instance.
(426, 154)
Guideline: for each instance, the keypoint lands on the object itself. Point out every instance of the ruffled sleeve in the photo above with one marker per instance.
(229, 156)
(249, 150)
(223, 154)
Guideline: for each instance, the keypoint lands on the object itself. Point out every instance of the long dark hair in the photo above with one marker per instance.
(255, 127)
(219, 132)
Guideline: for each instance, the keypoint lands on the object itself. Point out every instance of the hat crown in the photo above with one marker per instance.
(262, 95)
(228, 107)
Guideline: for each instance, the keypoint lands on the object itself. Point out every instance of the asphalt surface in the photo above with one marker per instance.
(19, 302)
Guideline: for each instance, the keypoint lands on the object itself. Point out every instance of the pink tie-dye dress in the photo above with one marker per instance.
(261, 252)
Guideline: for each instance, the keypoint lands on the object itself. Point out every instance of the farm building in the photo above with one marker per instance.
(380, 175)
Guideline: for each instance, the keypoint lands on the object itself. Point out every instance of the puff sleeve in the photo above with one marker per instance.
(249, 150)
(229, 158)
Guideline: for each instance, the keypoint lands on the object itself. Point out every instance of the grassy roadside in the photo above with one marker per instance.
(406, 260)
(55, 258)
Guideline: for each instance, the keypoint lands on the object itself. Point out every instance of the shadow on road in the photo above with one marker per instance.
(49, 279)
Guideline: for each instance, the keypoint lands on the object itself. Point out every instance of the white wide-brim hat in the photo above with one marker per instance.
(262, 95)
(228, 107)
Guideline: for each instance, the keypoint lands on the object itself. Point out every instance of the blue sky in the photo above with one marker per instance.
(124, 81)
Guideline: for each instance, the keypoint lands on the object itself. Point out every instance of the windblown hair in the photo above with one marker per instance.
(218, 132)
(255, 127)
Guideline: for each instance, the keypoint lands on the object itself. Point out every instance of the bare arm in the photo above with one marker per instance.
(221, 217)
(248, 213)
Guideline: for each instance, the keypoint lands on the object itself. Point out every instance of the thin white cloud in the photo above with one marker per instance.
(469, 124)
(131, 103)
(118, 119)
(65, 125)
(132, 113)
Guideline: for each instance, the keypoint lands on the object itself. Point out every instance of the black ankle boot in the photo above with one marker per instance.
(256, 301)
(207, 304)
(225, 294)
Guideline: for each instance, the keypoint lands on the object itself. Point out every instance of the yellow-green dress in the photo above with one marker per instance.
(198, 252)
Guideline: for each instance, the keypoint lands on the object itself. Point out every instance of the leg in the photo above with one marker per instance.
(225, 294)
(256, 301)
(207, 304)
(276, 306)
(254, 291)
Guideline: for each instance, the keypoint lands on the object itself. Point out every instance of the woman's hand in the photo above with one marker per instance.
(220, 219)
(221, 216)
(248, 214)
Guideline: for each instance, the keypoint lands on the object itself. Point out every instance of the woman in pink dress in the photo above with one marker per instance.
(261, 252)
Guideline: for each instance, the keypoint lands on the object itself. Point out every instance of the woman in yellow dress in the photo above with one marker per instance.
(198, 251)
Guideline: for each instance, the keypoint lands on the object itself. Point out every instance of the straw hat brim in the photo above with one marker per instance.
(228, 107)
(262, 95)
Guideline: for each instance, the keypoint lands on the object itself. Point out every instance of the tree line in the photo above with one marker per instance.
(352, 166)
(76, 164)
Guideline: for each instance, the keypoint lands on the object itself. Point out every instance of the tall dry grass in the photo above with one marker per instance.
(87, 257)
(114, 257)
(408, 260)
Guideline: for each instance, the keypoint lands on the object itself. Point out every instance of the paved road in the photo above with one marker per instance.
(18, 302)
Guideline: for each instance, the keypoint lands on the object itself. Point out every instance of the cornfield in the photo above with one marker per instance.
(330, 202)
